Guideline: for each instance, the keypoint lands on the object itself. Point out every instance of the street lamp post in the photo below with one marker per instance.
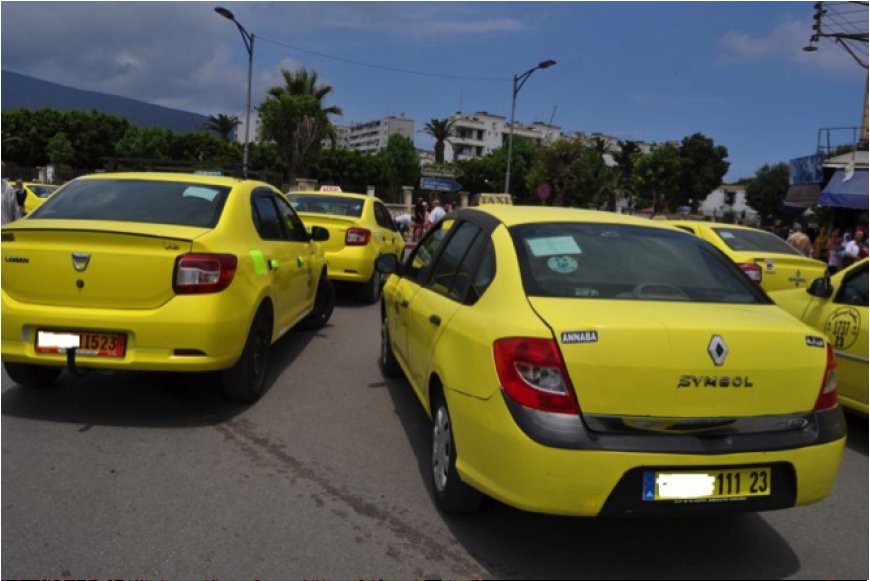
(248, 39)
(519, 81)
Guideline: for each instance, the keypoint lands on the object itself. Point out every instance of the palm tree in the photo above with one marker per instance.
(304, 82)
(223, 125)
(441, 130)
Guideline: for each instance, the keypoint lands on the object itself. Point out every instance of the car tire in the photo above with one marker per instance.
(324, 304)
(451, 493)
(370, 292)
(246, 379)
(32, 376)
(387, 360)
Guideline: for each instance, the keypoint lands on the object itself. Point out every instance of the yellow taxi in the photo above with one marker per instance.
(589, 363)
(163, 272)
(763, 256)
(360, 230)
(837, 308)
(36, 194)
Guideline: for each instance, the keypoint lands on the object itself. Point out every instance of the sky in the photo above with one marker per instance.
(648, 71)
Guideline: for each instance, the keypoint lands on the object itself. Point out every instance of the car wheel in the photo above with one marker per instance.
(34, 376)
(451, 494)
(370, 292)
(389, 364)
(324, 304)
(245, 380)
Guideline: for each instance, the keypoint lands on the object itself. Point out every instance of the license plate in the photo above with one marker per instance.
(706, 484)
(84, 342)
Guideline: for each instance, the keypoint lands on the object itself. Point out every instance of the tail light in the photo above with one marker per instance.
(533, 374)
(357, 237)
(830, 385)
(203, 273)
(752, 270)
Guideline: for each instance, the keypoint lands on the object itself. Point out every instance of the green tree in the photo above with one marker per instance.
(441, 130)
(575, 171)
(60, 149)
(304, 83)
(703, 165)
(222, 125)
(766, 191)
(297, 125)
(348, 168)
(626, 158)
(400, 162)
(657, 177)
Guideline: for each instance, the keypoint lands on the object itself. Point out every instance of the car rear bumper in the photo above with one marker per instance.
(351, 264)
(496, 456)
(212, 329)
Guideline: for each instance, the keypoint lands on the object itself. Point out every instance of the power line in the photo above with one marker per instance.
(385, 68)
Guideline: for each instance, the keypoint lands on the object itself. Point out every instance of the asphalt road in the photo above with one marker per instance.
(158, 476)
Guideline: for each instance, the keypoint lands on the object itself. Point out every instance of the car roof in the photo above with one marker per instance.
(170, 177)
(713, 225)
(335, 194)
(515, 215)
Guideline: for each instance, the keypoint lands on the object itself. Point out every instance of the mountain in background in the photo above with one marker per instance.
(20, 91)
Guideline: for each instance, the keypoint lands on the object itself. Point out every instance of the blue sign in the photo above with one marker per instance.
(439, 185)
(805, 170)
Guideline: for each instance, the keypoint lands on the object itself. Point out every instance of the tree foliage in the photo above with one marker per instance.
(703, 165)
(60, 149)
(766, 191)
(222, 125)
(441, 130)
(657, 177)
(575, 171)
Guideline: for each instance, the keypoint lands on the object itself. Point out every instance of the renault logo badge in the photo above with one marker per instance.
(718, 350)
(80, 261)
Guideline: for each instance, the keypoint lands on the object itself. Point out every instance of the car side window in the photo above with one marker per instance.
(448, 267)
(420, 261)
(266, 218)
(483, 275)
(291, 220)
(854, 289)
(382, 217)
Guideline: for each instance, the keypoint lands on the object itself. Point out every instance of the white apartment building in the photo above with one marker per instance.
(729, 201)
(479, 134)
(372, 136)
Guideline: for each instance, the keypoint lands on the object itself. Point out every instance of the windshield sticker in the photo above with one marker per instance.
(554, 245)
(206, 194)
(815, 341)
(570, 337)
(726, 235)
(562, 264)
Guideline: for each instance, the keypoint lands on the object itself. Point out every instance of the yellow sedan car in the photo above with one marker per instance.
(36, 195)
(360, 230)
(163, 272)
(763, 256)
(838, 309)
(588, 363)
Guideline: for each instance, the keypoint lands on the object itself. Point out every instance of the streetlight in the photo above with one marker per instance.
(248, 39)
(519, 81)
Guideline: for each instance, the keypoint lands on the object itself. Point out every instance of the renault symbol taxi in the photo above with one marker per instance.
(164, 272)
(360, 230)
(586, 363)
(763, 256)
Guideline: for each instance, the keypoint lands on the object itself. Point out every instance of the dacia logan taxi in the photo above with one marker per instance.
(360, 230)
(164, 272)
(763, 256)
(837, 308)
(587, 363)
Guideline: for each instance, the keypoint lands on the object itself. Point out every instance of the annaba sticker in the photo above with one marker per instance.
(815, 341)
(580, 337)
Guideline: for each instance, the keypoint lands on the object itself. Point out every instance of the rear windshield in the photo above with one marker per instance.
(43, 191)
(150, 201)
(605, 261)
(754, 240)
(335, 205)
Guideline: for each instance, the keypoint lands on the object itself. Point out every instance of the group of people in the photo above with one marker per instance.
(838, 249)
(13, 198)
(423, 217)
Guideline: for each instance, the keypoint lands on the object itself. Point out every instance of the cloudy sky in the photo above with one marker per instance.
(647, 71)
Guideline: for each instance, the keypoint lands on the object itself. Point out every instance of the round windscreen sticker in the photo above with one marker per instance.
(562, 264)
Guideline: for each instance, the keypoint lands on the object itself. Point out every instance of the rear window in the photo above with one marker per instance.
(605, 261)
(43, 191)
(335, 205)
(150, 201)
(754, 240)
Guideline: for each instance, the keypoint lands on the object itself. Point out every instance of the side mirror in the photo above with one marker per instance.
(319, 234)
(821, 287)
(387, 264)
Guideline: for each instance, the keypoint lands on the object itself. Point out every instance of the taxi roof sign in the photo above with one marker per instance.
(330, 189)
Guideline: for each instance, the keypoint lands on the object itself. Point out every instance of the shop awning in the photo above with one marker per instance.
(847, 189)
(802, 195)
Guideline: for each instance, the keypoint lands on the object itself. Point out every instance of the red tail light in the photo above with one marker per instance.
(203, 273)
(357, 237)
(533, 374)
(830, 385)
(752, 270)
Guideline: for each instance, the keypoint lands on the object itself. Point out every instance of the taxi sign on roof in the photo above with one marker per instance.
(330, 188)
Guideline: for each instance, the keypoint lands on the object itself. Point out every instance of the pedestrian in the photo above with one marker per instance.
(403, 223)
(835, 243)
(855, 250)
(820, 244)
(8, 203)
(800, 241)
(20, 195)
(419, 219)
(437, 214)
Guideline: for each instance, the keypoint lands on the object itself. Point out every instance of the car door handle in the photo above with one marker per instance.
(435, 320)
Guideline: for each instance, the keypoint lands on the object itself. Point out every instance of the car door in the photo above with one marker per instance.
(278, 256)
(387, 228)
(306, 261)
